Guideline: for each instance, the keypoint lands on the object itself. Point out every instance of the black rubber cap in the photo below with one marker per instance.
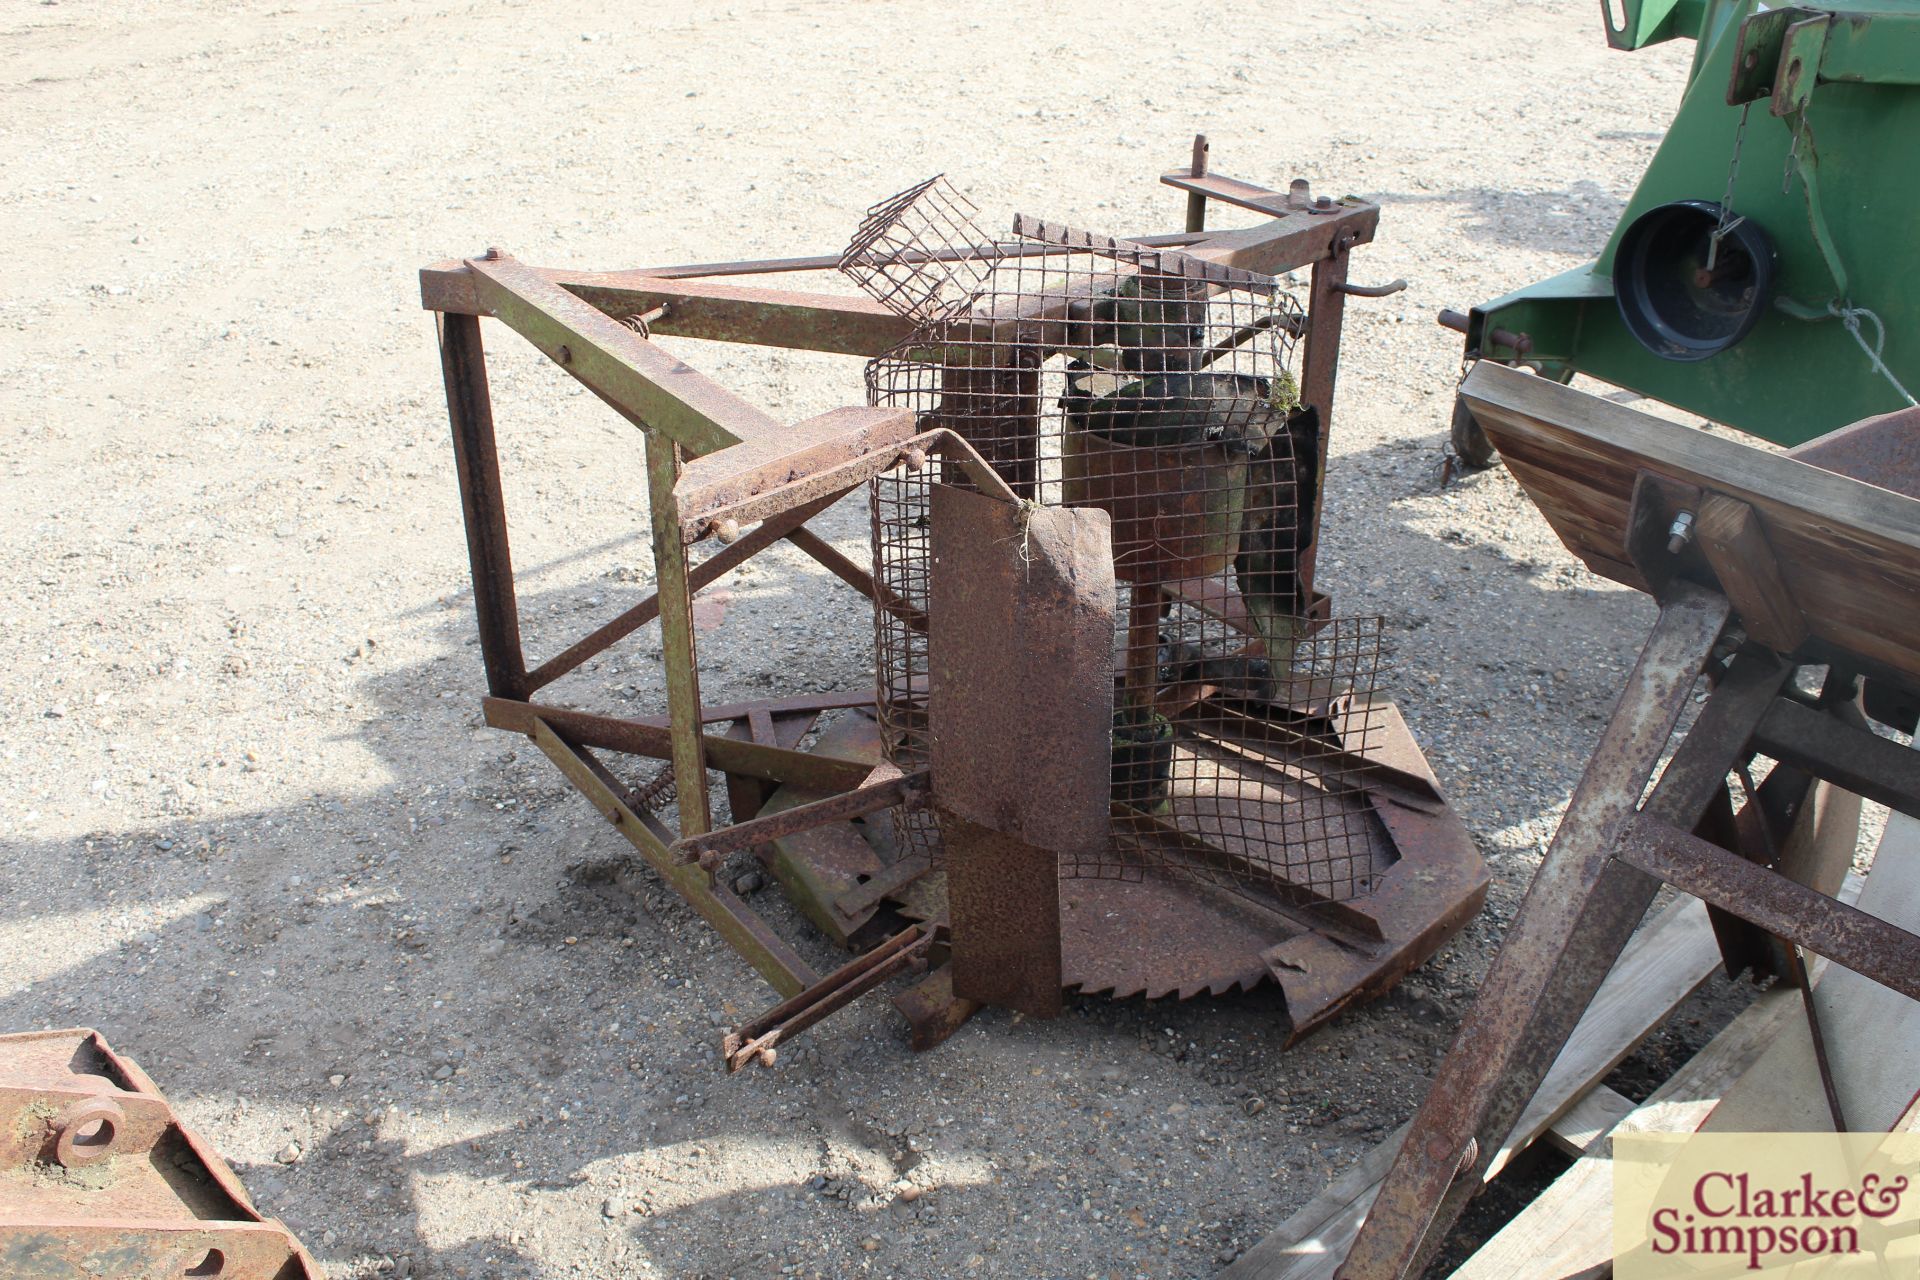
(1670, 301)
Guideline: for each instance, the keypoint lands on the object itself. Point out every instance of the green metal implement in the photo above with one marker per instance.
(1801, 123)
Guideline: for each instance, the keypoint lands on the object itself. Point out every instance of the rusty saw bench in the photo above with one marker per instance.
(720, 468)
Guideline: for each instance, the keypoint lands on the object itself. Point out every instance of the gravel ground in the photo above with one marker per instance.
(384, 958)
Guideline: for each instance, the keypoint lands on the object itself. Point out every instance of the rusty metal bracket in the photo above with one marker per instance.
(96, 1164)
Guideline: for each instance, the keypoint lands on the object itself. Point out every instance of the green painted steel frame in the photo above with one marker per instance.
(1842, 225)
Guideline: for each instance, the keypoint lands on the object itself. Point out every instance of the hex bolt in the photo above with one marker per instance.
(1680, 533)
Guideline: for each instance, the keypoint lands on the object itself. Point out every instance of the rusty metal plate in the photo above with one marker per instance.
(1154, 933)
(1021, 617)
(98, 1178)
(1021, 749)
(1159, 937)
(1883, 451)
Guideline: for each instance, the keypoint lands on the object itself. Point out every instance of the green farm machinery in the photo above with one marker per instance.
(1766, 272)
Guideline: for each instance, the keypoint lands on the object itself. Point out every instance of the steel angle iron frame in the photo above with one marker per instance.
(722, 469)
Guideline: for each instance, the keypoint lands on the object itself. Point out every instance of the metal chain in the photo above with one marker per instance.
(1721, 228)
(1793, 151)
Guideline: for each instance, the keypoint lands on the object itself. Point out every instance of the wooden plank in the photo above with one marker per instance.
(1735, 545)
(1589, 1119)
(1569, 1227)
(1316, 1237)
(1666, 961)
(1849, 551)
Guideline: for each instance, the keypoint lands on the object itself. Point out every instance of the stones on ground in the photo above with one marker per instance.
(751, 882)
(289, 1154)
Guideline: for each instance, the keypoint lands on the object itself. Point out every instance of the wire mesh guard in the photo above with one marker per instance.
(1156, 386)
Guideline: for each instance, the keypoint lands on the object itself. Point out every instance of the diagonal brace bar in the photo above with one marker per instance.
(1844, 934)
(645, 384)
(706, 849)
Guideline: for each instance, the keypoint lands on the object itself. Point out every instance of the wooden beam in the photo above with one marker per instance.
(1569, 1227)
(1848, 551)
(1736, 547)
(1588, 1120)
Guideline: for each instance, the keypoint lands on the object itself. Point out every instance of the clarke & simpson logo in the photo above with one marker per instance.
(1772, 1204)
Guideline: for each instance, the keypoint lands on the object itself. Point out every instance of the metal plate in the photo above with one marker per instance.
(1021, 748)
